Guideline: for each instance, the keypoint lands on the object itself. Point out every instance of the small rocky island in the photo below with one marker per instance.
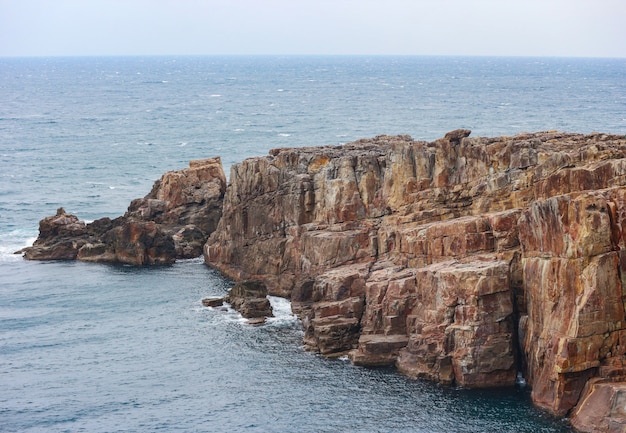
(463, 260)
(173, 221)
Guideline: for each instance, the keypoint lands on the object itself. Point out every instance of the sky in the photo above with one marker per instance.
(568, 28)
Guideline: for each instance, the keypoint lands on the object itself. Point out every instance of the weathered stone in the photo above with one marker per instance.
(189, 241)
(460, 325)
(602, 408)
(574, 295)
(459, 260)
(375, 350)
(173, 221)
(249, 298)
(213, 302)
(60, 238)
(188, 197)
(256, 321)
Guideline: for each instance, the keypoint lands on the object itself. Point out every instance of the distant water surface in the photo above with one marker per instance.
(90, 347)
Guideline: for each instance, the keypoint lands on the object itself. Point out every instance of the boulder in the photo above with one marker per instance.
(249, 298)
(213, 302)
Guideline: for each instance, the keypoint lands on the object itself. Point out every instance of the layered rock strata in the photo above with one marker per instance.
(173, 221)
(461, 260)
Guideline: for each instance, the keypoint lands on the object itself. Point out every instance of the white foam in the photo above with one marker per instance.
(14, 241)
(281, 307)
(282, 312)
(284, 135)
(226, 312)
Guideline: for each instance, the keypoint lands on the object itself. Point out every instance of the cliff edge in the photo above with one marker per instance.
(463, 260)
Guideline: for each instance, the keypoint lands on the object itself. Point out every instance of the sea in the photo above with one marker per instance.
(105, 348)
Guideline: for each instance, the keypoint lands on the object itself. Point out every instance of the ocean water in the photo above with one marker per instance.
(101, 348)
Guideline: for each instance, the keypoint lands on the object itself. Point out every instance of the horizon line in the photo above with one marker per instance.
(561, 56)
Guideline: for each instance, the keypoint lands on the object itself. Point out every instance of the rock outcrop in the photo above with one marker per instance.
(463, 260)
(173, 221)
(249, 298)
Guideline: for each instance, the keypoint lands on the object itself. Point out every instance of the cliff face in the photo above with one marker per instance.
(461, 260)
(173, 221)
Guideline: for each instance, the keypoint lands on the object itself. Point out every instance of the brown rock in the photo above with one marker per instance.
(602, 408)
(173, 221)
(249, 298)
(457, 135)
(460, 325)
(213, 302)
(60, 237)
(574, 295)
(459, 260)
(188, 197)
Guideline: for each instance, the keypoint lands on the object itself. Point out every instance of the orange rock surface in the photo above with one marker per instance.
(463, 260)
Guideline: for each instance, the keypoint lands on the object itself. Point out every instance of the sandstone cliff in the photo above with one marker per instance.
(462, 260)
(173, 221)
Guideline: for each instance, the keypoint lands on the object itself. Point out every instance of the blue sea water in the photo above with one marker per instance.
(101, 348)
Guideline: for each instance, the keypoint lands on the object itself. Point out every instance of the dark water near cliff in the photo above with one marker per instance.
(87, 347)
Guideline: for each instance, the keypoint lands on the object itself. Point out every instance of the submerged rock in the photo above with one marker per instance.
(463, 260)
(173, 221)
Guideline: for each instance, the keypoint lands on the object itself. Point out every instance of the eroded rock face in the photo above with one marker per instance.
(462, 260)
(575, 314)
(173, 221)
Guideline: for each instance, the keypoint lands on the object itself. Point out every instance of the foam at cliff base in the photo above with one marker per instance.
(283, 317)
(282, 312)
(14, 241)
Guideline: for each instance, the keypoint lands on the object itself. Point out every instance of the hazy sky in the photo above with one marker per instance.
(594, 28)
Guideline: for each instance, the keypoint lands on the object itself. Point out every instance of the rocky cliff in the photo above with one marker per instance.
(173, 221)
(463, 260)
